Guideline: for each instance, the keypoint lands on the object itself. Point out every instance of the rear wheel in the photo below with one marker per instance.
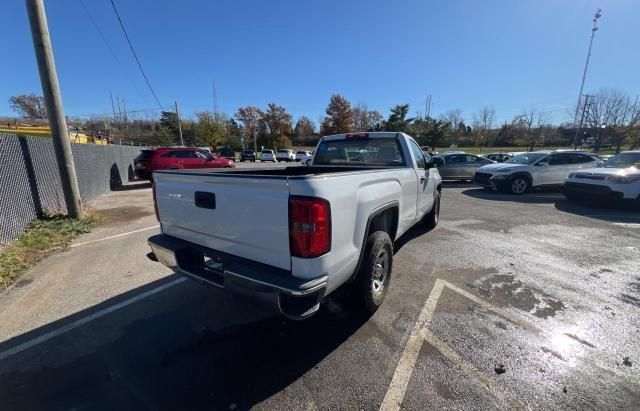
(375, 272)
(519, 185)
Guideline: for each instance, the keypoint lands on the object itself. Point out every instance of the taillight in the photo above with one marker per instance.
(309, 226)
(155, 202)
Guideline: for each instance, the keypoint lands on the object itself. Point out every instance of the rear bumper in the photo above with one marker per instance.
(143, 174)
(276, 288)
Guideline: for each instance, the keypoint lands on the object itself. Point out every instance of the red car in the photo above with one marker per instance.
(165, 158)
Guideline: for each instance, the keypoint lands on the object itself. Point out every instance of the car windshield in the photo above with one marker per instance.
(301, 152)
(204, 154)
(248, 152)
(623, 160)
(527, 158)
(283, 151)
(360, 151)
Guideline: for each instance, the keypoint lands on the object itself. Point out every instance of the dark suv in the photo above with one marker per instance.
(248, 155)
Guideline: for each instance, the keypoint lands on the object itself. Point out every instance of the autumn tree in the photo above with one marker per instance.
(339, 117)
(249, 117)
(209, 130)
(277, 120)
(29, 106)
(305, 127)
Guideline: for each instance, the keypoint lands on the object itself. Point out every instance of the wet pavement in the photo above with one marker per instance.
(511, 302)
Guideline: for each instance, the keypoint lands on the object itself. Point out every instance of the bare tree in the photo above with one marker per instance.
(29, 106)
(455, 120)
(483, 123)
(361, 117)
(612, 113)
(532, 121)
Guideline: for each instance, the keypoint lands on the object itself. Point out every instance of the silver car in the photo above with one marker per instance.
(460, 166)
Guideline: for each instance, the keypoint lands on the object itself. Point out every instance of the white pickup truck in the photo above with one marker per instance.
(289, 237)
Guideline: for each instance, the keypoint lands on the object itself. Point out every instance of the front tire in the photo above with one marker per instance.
(375, 272)
(519, 185)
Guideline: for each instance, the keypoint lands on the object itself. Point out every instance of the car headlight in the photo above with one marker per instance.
(622, 179)
(505, 170)
(499, 177)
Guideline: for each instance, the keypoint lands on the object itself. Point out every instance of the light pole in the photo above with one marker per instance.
(596, 16)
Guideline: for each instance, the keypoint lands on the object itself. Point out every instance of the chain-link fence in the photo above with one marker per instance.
(30, 181)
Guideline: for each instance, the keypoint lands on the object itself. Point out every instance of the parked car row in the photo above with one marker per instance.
(533, 169)
(283, 155)
(580, 175)
(167, 158)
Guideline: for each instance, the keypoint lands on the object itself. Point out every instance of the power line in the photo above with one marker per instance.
(115, 9)
(128, 112)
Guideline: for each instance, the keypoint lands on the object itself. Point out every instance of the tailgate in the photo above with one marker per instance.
(249, 217)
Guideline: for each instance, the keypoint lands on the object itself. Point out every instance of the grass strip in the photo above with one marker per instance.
(43, 237)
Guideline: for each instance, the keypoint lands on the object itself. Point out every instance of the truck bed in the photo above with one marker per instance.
(298, 171)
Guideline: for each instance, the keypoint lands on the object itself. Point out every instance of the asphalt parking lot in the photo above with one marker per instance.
(511, 302)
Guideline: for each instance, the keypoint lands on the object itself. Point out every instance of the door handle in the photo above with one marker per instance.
(422, 179)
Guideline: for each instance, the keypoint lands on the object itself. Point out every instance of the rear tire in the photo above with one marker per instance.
(430, 220)
(375, 273)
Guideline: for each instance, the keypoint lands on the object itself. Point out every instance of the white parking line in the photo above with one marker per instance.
(82, 321)
(395, 393)
(114, 236)
(398, 387)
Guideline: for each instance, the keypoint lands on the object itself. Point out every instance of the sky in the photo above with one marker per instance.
(508, 54)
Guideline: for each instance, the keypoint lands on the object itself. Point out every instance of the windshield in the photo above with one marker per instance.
(623, 160)
(283, 151)
(527, 158)
(373, 151)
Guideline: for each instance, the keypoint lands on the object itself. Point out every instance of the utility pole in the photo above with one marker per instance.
(584, 110)
(53, 101)
(215, 101)
(179, 125)
(113, 109)
(126, 119)
(596, 16)
(255, 143)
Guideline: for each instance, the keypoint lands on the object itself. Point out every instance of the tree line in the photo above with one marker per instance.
(610, 116)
